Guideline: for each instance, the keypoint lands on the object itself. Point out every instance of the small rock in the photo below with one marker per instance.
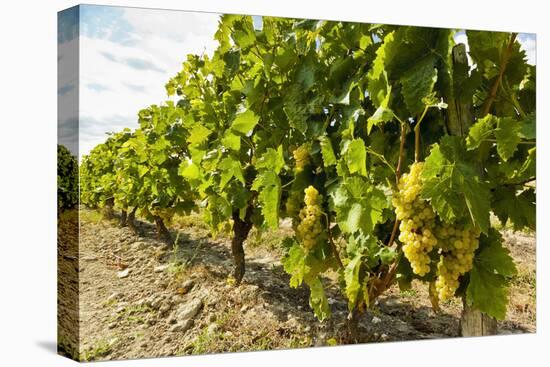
(156, 303)
(143, 345)
(136, 246)
(244, 309)
(161, 268)
(189, 310)
(89, 258)
(384, 337)
(182, 326)
(376, 320)
(186, 286)
(112, 325)
(123, 274)
(113, 297)
(165, 308)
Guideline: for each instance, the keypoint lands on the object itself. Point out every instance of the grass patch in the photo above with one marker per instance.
(409, 293)
(93, 216)
(268, 239)
(99, 350)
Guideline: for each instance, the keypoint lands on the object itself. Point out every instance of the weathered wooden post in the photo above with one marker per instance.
(459, 118)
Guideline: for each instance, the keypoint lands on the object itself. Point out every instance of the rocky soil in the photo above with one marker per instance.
(138, 298)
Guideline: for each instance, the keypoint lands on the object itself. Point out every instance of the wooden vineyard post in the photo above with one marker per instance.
(459, 118)
(476, 323)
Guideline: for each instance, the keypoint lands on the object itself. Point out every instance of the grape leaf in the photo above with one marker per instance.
(231, 141)
(507, 134)
(451, 182)
(353, 284)
(520, 208)
(268, 185)
(358, 205)
(294, 264)
(418, 83)
(480, 131)
(244, 122)
(488, 285)
(199, 133)
(494, 257)
(272, 159)
(230, 168)
(529, 127)
(189, 170)
(318, 300)
(329, 159)
(356, 157)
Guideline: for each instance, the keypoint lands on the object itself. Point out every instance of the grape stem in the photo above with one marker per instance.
(417, 135)
(377, 290)
(332, 244)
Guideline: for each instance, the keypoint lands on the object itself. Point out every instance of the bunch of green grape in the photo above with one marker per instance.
(458, 244)
(417, 220)
(301, 155)
(310, 230)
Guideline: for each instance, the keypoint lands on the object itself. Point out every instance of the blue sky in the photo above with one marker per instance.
(126, 57)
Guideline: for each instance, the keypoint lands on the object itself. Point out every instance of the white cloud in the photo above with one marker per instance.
(117, 80)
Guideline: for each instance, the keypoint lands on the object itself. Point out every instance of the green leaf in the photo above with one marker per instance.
(244, 122)
(294, 264)
(494, 258)
(451, 183)
(356, 157)
(268, 185)
(272, 160)
(358, 205)
(382, 114)
(520, 208)
(329, 158)
(232, 141)
(377, 85)
(189, 170)
(529, 127)
(318, 300)
(230, 168)
(199, 133)
(508, 137)
(489, 279)
(418, 83)
(353, 284)
(487, 292)
(480, 131)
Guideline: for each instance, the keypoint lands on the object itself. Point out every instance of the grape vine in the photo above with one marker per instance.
(316, 121)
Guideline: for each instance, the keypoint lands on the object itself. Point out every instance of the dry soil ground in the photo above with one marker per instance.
(140, 299)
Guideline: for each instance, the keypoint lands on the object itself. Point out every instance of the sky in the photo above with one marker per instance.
(126, 57)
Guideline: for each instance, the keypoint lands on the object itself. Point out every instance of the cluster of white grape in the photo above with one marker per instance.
(417, 220)
(301, 155)
(310, 230)
(458, 245)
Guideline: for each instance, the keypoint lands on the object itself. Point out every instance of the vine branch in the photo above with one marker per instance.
(505, 57)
